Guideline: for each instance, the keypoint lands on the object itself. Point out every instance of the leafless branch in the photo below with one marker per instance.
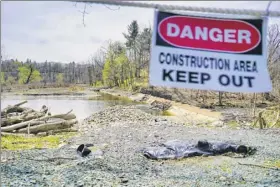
(51, 159)
(84, 13)
(85, 6)
(261, 166)
(111, 8)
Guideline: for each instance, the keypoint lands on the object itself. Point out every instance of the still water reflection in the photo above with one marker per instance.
(82, 106)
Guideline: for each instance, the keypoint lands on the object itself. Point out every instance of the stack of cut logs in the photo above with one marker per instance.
(17, 119)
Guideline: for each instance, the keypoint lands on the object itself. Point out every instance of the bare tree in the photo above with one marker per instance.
(274, 58)
(4, 55)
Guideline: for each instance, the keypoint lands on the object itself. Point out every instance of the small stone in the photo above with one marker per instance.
(218, 124)
(80, 184)
(124, 180)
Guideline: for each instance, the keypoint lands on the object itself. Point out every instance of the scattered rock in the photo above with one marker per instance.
(217, 123)
(161, 105)
(116, 114)
(127, 130)
(155, 93)
(124, 180)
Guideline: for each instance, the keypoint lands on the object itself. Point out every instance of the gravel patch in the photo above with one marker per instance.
(118, 135)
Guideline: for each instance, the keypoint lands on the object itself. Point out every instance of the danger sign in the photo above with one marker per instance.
(209, 53)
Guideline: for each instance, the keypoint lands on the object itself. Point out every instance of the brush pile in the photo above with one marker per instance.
(17, 119)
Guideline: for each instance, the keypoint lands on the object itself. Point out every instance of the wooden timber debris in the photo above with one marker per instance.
(23, 120)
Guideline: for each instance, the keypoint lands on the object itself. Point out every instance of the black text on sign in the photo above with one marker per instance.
(206, 53)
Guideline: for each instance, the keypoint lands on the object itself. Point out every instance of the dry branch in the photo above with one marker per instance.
(261, 121)
(64, 130)
(49, 126)
(14, 108)
(10, 121)
(18, 119)
(61, 116)
(21, 125)
(277, 119)
(50, 159)
(21, 103)
(260, 166)
(14, 134)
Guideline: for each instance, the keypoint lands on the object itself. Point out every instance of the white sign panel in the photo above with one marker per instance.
(206, 53)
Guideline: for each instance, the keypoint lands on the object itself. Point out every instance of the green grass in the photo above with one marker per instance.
(76, 88)
(109, 97)
(225, 167)
(270, 117)
(233, 124)
(12, 142)
(272, 163)
(167, 113)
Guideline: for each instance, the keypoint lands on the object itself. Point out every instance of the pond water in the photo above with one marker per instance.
(82, 106)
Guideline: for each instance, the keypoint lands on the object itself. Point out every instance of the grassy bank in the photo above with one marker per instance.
(15, 142)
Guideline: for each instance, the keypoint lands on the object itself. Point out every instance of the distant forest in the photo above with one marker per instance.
(116, 64)
(15, 72)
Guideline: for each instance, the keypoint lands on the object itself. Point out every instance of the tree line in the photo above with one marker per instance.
(28, 72)
(116, 64)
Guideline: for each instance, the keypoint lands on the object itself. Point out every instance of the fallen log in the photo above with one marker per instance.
(11, 110)
(33, 120)
(25, 112)
(64, 116)
(28, 110)
(21, 103)
(15, 134)
(21, 125)
(18, 119)
(27, 120)
(49, 126)
(52, 132)
(13, 114)
(10, 121)
(64, 130)
(67, 116)
(14, 108)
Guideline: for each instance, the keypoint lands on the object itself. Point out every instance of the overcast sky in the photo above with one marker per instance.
(54, 31)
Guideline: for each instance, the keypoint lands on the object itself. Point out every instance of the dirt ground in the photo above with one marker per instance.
(119, 133)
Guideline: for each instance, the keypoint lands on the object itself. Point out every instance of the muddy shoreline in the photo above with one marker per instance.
(177, 109)
(184, 111)
(178, 112)
(193, 115)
